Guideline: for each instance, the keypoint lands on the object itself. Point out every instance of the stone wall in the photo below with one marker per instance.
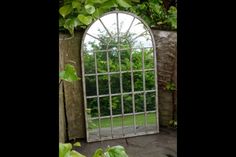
(69, 49)
(166, 45)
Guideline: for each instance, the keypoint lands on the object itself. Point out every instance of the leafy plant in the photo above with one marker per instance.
(65, 150)
(154, 13)
(78, 14)
(173, 124)
(69, 74)
(115, 151)
(170, 86)
(172, 17)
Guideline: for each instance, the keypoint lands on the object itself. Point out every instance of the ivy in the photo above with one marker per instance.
(78, 14)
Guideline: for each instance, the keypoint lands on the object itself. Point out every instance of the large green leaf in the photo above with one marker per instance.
(64, 149)
(99, 12)
(123, 3)
(109, 4)
(85, 19)
(69, 74)
(65, 10)
(70, 25)
(61, 22)
(98, 153)
(75, 154)
(96, 1)
(76, 4)
(117, 151)
(89, 8)
(77, 144)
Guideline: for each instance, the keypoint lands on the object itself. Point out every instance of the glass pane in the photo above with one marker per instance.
(125, 59)
(114, 60)
(97, 29)
(151, 122)
(150, 101)
(139, 103)
(90, 85)
(126, 80)
(128, 103)
(101, 62)
(143, 41)
(92, 107)
(137, 59)
(148, 58)
(92, 112)
(116, 105)
(103, 84)
(137, 28)
(91, 44)
(104, 106)
(89, 63)
(106, 128)
(111, 24)
(150, 80)
(115, 83)
(138, 81)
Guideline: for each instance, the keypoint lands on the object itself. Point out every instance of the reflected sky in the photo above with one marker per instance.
(128, 26)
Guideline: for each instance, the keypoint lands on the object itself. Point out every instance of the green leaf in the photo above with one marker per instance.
(136, 1)
(90, 9)
(106, 154)
(109, 4)
(64, 149)
(156, 8)
(123, 3)
(77, 144)
(99, 12)
(117, 151)
(96, 1)
(75, 154)
(65, 10)
(98, 153)
(61, 22)
(69, 25)
(172, 17)
(69, 74)
(85, 19)
(76, 4)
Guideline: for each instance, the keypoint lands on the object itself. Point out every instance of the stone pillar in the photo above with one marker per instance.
(166, 46)
(70, 48)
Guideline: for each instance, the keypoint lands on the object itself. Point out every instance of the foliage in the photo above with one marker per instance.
(114, 151)
(154, 13)
(173, 124)
(65, 150)
(170, 86)
(69, 74)
(78, 14)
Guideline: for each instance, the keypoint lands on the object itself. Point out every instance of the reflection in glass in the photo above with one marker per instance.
(90, 85)
(117, 46)
(150, 80)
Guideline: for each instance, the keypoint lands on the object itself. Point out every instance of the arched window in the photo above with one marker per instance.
(119, 77)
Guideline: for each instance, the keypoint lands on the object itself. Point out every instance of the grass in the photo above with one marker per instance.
(128, 121)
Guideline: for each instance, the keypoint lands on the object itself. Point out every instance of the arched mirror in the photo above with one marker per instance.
(119, 78)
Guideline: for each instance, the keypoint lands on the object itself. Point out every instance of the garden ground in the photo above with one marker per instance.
(163, 144)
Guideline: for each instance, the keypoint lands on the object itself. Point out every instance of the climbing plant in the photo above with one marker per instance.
(78, 14)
